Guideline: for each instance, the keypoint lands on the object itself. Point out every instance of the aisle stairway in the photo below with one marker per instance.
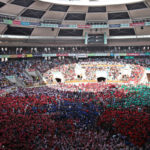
(16, 80)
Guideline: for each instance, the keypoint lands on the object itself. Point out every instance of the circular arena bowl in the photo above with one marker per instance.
(76, 76)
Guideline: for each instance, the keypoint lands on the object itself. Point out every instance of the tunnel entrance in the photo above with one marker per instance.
(148, 77)
(79, 77)
(100, 79)
(58, 80)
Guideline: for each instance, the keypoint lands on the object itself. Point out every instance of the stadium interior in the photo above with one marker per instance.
(74, 75)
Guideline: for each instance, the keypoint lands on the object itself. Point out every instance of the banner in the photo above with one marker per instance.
(129, 57)
(49, 25)
(101, 54)
(92, 54)
(35, 24)
(25, 23)
(73, 55)
(17, 22)
(5, 56)
(61, 54)
(123, 54)
(133, 54)
(63, 25)
(6, 21)
(112, 54)
(48, 55)
(29, 55)
(147, 54)
(84, 26)
(37, 55)
(81, 55)
(124, 25)
(142, 54)
(19, 56)
(114, 25)
(13, 56)
(147, 23)
(72, 26)
(117, 54)
(100, 26)
(137, 24)
(120, 54)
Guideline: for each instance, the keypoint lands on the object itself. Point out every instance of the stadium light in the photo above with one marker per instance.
(49, 49)
(21, 50)
(45, 49)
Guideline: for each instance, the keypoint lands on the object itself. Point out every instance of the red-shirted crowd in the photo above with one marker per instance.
(44, 118)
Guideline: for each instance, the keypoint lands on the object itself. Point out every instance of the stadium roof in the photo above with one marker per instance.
(34, 19)
(91, 2)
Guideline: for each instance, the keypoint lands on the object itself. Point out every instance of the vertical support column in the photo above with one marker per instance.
(86, 38)
(105, 38)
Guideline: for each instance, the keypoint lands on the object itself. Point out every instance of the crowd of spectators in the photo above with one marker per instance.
(69, 116)
(4, 83)
(48, 118)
